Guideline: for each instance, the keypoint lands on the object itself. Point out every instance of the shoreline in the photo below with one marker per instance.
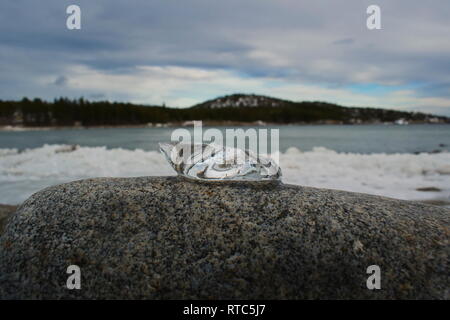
(19, 128)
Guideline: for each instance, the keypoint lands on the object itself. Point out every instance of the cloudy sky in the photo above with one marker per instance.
(183, 52)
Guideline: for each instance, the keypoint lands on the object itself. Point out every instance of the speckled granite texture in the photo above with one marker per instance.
(167, 238)
(5, 212)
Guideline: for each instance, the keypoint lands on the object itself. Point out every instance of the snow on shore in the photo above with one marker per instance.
(392, 175)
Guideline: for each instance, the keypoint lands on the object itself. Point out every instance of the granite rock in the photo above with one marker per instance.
(5, 212)
(168, 238)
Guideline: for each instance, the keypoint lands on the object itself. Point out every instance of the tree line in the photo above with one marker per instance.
(70, 112)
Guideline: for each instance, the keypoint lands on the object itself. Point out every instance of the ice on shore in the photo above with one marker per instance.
(392, 175)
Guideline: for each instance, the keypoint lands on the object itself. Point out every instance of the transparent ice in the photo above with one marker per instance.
(212, 162)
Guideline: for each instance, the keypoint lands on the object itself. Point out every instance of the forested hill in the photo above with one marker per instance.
(237, 108)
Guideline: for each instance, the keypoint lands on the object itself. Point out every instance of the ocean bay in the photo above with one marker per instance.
(365, 139)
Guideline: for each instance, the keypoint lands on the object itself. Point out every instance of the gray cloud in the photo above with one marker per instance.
(97, 96)
(60, 81)
(321, 42)
(344, 41)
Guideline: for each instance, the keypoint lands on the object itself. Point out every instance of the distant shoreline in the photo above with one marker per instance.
(231, 110)
(205, 123)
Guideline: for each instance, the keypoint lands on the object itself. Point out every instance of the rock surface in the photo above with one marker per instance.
(167, 238)
(5, 212)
